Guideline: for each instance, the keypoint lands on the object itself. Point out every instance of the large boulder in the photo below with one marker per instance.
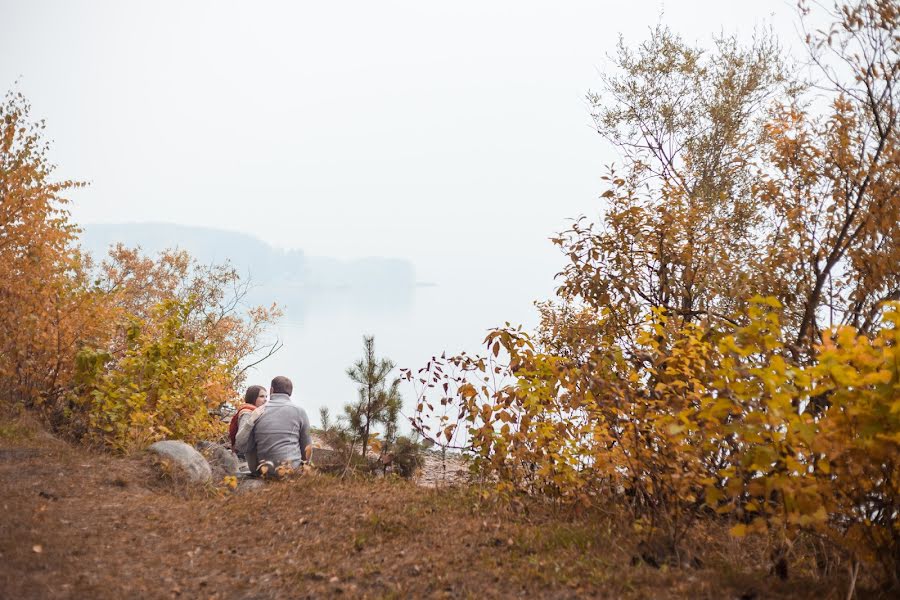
(182, 460)
(222, 460)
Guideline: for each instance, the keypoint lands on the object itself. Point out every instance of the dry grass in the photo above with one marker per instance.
(108, 527)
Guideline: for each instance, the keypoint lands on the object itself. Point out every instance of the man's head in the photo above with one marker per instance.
(282, 385)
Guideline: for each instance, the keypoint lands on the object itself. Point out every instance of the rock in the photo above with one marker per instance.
(182, 459)
(250, 484)
(222, 460)
(327, 459)
(442, 471)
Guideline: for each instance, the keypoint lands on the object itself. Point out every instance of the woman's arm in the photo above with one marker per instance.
(243, 441)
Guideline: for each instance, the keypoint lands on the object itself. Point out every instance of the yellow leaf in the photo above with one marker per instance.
(739, 530)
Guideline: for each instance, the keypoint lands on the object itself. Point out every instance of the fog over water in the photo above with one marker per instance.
(409, 327)
(329, 304)
(452, 138)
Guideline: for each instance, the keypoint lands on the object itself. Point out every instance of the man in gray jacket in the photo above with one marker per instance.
(277, 432)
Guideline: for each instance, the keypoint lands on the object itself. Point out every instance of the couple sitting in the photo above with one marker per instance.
(273, 434)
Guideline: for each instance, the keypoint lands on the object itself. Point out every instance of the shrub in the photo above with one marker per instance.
(164, 385)
(704, 423)
(126, 351)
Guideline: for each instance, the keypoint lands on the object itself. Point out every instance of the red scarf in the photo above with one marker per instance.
(233, 426)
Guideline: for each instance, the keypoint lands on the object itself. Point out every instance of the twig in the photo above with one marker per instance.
(854, 572)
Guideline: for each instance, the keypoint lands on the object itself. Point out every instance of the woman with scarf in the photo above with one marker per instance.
(255, 396)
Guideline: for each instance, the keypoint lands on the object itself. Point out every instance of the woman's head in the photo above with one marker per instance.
(256, 395)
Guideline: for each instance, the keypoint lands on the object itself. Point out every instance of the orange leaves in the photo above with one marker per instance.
(44, 309)
(131, 350)
(467, 391)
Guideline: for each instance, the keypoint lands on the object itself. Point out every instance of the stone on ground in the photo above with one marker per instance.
(327, 459)
(221, 459)
(183, 460)
(250, 485)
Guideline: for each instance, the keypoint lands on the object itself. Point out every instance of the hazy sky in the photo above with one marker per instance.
(421, 129)
(452, 134)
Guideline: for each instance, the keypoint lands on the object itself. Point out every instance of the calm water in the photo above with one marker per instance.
(322, 333)
(337, 302)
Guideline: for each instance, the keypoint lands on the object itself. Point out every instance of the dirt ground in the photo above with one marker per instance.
(80, 524)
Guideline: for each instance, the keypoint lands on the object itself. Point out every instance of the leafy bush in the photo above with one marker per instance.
(126, 351)
(163, 386)
(705, 424)
(724, 343)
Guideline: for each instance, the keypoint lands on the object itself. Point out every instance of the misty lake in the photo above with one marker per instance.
(415, 308)
(322, 332)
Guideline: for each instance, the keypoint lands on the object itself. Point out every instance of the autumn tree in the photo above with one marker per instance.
(725, 343)
(680, 227)
(733, 184)
(45, 307)
(126, 351)
(831, 181)
(215, 297)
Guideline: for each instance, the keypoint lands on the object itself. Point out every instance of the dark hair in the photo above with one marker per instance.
(253, 393)
(282, 385)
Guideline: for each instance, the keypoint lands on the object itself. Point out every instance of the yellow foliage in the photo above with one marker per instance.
(704, 422)
(160, 387)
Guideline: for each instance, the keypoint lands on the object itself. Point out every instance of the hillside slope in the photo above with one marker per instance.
(77, 524)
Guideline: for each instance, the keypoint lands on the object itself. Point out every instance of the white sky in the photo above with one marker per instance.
(452, 134)
(417, 129)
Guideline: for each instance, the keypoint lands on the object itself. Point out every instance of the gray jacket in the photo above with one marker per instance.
(278, 432)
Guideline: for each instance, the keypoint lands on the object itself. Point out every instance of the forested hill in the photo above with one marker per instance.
(264, 263)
